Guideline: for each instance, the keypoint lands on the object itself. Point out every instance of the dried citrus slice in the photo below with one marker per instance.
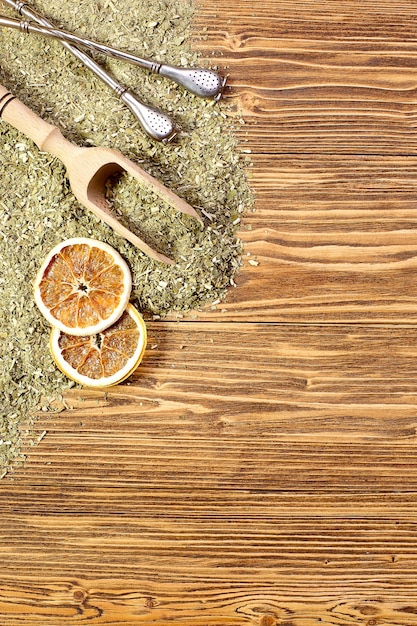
(83, 286)
(106, 358)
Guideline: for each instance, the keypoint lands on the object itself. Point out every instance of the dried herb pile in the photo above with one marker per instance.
(38, 210)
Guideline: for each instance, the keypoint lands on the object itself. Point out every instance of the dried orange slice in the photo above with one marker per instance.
(83, 286)
(106, 358)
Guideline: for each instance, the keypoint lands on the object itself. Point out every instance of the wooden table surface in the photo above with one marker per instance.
(262, 467)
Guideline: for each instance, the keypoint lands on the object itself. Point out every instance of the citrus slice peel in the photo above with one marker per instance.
(83, 286)
(104, 359)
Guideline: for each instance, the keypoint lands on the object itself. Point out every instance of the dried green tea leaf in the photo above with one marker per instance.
(38, 210)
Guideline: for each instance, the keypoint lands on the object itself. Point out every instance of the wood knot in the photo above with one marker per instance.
(268, 620)
(250, 103)
(235, 42)
(79, 595)
(368, 609)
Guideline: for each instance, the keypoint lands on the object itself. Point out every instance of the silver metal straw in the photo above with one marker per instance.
(201, 82)
(153, 121)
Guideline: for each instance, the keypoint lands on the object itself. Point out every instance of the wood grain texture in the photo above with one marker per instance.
(279, 489)
(328, 93)
(260, 467)
(333, 239)
(319, 77)
(273, 399)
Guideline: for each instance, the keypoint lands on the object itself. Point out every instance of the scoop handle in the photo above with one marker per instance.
(46, 136)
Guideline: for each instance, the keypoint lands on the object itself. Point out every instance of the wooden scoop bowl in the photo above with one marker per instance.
(88, 169)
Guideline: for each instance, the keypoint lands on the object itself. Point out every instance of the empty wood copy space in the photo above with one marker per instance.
(260, 469)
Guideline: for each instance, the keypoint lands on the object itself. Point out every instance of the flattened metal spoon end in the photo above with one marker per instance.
(154, 122)
(201, 82)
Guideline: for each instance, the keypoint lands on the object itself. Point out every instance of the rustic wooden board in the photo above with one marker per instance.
(321, 77)
(260, 467)
(280, 488)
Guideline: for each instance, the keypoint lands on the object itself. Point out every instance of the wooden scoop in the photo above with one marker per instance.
(88, 169)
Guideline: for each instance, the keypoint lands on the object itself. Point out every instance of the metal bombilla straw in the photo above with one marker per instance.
(154, 122)
(201, 82)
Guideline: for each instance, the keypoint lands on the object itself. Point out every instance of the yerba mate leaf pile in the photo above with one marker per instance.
(204, 165)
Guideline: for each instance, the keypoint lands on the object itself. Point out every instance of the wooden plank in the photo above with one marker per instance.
(270, 395)
(344, 21)
(332, 77)
(187, 566)
(26, 497)
(272, 401)
(110, 602)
